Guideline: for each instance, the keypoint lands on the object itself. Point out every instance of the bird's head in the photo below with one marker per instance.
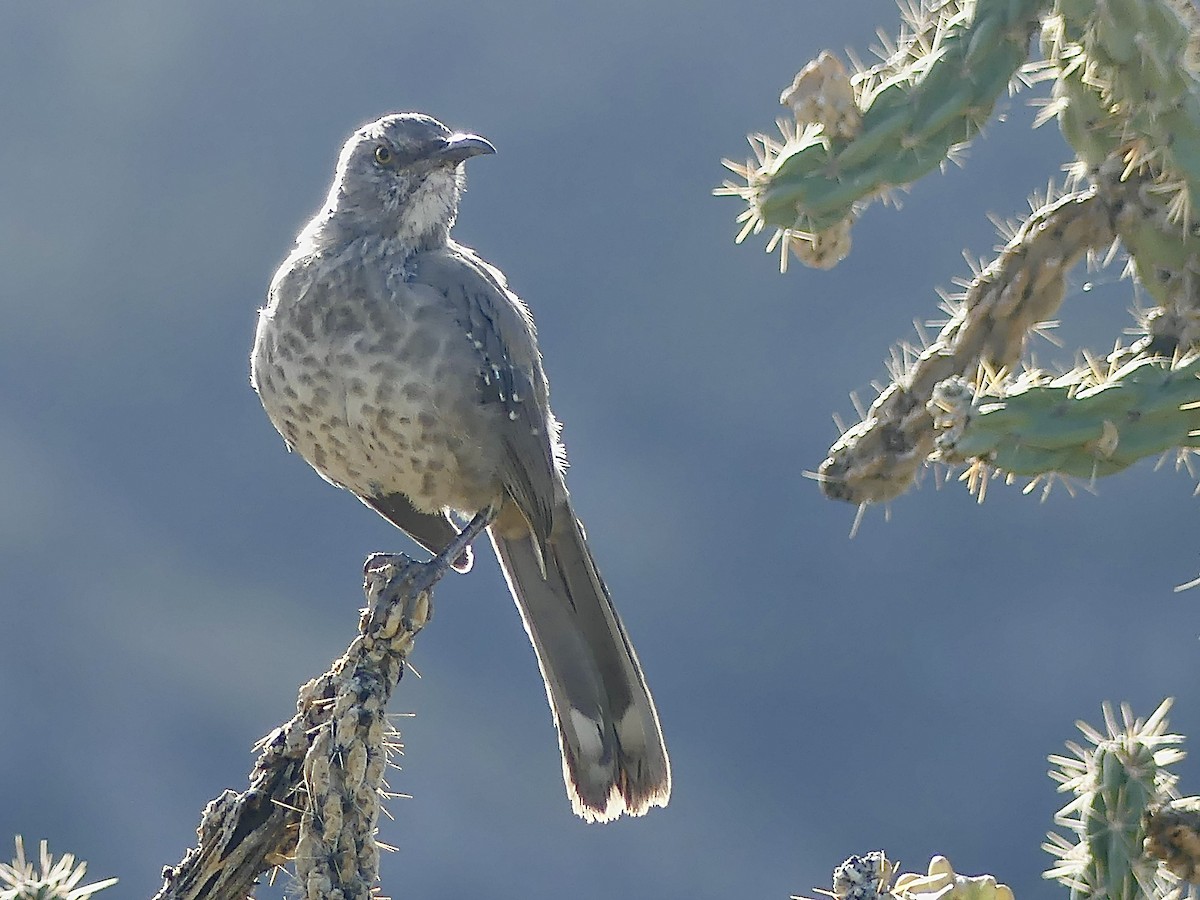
(402, 176)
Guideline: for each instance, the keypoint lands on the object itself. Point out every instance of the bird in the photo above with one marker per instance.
(402, 368)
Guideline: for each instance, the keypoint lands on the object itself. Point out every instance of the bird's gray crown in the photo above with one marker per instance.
(416, 137)
(397, 177)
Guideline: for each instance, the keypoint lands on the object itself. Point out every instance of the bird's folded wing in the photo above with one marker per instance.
(500, 330)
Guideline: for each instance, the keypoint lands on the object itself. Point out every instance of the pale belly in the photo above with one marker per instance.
(382, 415)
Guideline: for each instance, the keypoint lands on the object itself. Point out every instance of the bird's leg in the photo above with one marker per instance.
(456, 547)
(431, 572)
(436, 567)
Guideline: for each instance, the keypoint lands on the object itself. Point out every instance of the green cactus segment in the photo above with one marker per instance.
(1145, 408)
(915, 110)
(1114, 782)
(1137, 61)
(1081, 113)
(1129, 101)
(1113, 817)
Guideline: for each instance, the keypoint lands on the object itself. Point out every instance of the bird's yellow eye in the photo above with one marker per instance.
(383, 155)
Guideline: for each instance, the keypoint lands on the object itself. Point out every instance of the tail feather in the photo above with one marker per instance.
(614, 758)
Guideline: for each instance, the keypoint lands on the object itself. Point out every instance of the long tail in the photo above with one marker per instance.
(613, 755)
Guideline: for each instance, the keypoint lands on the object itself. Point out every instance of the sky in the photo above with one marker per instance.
(170, 575)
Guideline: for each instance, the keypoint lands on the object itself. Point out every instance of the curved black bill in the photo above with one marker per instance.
(463, 146)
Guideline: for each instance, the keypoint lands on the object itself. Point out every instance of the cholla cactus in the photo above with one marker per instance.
(1115, 781)
(870, 877)
(1125, 89)
(48, 879)
(941, 882)
(931, 94)
(1090, 422)
(1123, 818)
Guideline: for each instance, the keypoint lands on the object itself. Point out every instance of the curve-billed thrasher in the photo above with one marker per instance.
(402, 368)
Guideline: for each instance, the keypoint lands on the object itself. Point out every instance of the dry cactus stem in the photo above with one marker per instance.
(315, 791)
(1173, 836)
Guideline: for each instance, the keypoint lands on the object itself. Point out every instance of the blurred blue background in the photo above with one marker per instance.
(170, 575)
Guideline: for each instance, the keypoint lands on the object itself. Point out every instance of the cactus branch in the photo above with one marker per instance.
(1086, 424)
(1135, 57)
(856, 138)
(1120, 775)
(878, 458)
(315, 789)
(1119, 121)
(1125, 89)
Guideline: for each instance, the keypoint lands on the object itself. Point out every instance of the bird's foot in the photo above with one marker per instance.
(379, 560)
(425, 575)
